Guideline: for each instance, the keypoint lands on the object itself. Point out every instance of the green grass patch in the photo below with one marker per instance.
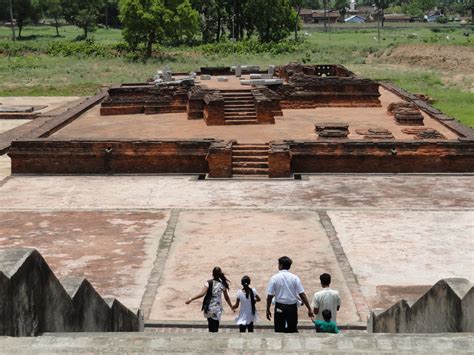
(452, 100)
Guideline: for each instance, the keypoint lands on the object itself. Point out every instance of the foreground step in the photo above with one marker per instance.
(235, 343)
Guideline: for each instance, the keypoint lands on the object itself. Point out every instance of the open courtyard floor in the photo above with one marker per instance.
(152, 241)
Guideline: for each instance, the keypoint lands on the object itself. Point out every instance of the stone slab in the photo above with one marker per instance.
(245, 243)
(414, 249)
(115, 251)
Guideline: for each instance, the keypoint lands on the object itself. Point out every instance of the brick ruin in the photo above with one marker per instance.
(333, 149)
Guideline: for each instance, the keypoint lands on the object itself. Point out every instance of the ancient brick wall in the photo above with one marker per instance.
(42, 156)
(381, 157)
(145, 99)
(310, 91)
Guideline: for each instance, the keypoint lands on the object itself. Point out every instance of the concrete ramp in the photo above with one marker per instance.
(33, 301)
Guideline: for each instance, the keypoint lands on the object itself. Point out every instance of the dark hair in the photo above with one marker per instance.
(285, 262)
(248, 292)
(325, 279)
(327, 315)
(218, 275)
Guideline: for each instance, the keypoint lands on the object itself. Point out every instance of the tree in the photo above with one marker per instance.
(23, 10)
(53, 9)
(82, 13)
(297, 4)
(418, 7)
(144, 21)
(381, 5)
(184, 22)
(341, 6)
(311, 4)
(275, 19)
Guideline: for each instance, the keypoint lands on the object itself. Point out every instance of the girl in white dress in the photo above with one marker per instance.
(248, 314)
(212, 293)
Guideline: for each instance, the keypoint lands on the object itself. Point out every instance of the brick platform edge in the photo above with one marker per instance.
(465, 132)
(44, 126)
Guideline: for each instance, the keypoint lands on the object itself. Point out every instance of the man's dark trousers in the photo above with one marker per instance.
(286, 318)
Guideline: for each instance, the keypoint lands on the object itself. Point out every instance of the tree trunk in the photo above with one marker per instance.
(20, 28)
(218, 33)
(296, 23)
(106, 15)
(56, 24)
(149, 46)
(85, 31)
(11, 21)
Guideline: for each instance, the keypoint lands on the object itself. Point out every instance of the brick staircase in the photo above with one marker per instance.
(250, 160)
(239, 107)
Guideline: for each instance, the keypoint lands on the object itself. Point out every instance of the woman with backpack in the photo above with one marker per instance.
(212, 293)
(248, 313)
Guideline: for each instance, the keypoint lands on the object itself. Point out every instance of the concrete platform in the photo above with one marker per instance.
(352, 343)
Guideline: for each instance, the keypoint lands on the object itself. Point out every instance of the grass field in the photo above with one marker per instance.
(28, 68)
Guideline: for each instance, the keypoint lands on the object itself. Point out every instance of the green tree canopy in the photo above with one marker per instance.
(82, 13)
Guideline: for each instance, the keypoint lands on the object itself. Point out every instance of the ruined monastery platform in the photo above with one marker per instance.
(297, 124)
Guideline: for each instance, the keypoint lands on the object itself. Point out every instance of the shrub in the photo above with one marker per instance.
(251, 46)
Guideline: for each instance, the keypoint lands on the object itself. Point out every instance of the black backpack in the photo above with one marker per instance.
(207, 298)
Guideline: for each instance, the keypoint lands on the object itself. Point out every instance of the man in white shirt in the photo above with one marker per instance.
(287, 290)
(326, 299)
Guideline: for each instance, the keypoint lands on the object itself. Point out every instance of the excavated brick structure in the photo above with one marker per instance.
(311, 86)
(148, 99)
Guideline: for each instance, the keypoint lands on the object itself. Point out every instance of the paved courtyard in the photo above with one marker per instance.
(153, 240)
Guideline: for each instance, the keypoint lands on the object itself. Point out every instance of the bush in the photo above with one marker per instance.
(82, 49)
(442, 19)
(251, 46)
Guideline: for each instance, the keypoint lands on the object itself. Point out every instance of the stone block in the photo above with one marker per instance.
(271, 70)
(222, 79)
(255, 76)
(205, 77)
(266, 76)
(238, 71)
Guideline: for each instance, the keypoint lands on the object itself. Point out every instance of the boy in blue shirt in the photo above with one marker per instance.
(326, 326)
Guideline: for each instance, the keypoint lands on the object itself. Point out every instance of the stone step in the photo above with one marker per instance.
(239, 109)
(254, 153)
(235, 117)
(239, 105)
(256, 176)
(250, 171)
(249, 164)
(238, 97)
(240, 122)
(251, 146)
(233, 342)
(240, 114)
(236, 93)
(255, 158)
